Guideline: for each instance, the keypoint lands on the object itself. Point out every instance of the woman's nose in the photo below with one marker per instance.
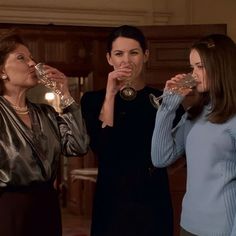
(31, 62)
(194, 72)
(126, 58)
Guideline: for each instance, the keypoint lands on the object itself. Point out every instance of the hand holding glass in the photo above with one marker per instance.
(45, 80)
(128, 93)
(188, 81)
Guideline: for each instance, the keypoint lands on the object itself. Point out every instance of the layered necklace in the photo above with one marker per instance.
(20, 110)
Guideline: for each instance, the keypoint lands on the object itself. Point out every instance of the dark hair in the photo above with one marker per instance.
(9, 40)
(218, 56)
(126, 31)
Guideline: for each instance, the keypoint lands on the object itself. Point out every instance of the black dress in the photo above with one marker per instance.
(132, 197)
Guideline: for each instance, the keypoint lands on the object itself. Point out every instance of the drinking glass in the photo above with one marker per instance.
(188, 81)
(128, 93)
(45, 80)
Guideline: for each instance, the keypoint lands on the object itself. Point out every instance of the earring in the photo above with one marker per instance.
(4, 76)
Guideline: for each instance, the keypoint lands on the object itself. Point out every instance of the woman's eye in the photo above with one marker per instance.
(118, 54)
(21, 57)
(134, 53)
(200, 66)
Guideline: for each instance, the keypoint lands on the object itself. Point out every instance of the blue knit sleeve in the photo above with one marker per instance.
(233, 136)
(167, 143)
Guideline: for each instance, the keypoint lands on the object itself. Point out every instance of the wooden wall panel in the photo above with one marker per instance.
(81, 51)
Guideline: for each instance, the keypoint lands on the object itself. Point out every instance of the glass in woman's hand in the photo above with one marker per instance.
(128, 92)
(188, 81)
(43, 79)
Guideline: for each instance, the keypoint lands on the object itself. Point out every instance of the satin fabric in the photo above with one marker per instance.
(29, 155)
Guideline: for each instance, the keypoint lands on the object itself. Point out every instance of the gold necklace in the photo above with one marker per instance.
(21, 110)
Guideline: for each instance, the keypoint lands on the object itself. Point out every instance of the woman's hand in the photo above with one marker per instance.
(117, 79)
(177, 85)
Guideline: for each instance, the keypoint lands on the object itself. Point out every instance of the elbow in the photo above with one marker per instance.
(158, 159)
(75, 152)
(84, 151)
(76, 149)
(84, 147)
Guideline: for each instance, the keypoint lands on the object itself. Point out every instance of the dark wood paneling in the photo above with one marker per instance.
(80, 50)
(169, 49)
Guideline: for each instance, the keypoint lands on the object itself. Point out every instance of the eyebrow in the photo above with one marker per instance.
(121, 50)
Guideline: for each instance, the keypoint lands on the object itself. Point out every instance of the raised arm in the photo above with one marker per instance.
(74, 137)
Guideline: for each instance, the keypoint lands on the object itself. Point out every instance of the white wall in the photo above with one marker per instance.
(117, 12)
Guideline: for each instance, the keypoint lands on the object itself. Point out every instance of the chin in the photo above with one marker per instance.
(33, 84)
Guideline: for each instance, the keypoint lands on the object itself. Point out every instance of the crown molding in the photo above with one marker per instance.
(88, 17)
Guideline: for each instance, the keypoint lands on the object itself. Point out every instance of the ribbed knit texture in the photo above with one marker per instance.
(209, 205)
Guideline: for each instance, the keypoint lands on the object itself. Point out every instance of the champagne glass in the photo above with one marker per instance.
(128, 93)
(188, 81)
(45, 80)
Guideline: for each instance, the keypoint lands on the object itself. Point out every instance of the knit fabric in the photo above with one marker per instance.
(209, 204)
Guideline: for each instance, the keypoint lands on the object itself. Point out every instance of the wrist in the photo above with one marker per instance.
(109, 97)
(66, 101)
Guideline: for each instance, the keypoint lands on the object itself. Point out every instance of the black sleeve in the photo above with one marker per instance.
(91, 104)
(90, 114)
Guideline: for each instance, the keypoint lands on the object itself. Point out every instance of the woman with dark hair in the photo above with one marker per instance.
(32, 138)
(207, 134)
(132, 197)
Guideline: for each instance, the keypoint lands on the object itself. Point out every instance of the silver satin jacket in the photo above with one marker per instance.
(32, 155)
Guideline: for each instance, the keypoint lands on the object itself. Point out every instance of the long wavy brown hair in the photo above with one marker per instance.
(218, 55)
